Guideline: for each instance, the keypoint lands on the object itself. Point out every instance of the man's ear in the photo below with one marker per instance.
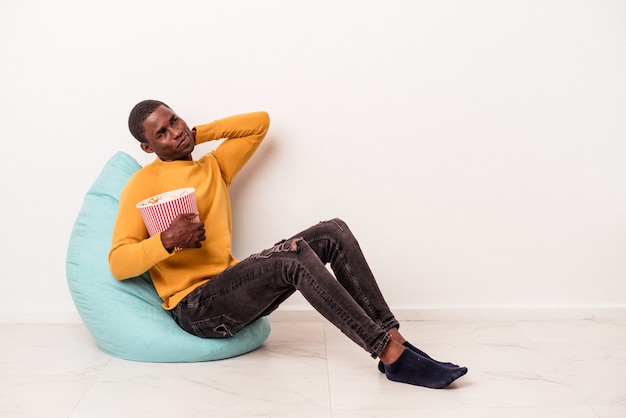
(146, 147)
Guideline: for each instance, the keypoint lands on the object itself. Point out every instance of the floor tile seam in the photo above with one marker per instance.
(574, 325)
(467, 408)
(328, 383)
(539, 348)
(295, 344)
(563, 367)
(576, 389)
(533, 342)
(90, 387)
(594, 410)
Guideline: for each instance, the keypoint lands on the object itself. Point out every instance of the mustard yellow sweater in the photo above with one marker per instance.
(175, 275)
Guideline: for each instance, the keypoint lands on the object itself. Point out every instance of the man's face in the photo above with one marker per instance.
(167, 135)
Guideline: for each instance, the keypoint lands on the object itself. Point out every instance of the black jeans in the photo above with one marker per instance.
(256, 286)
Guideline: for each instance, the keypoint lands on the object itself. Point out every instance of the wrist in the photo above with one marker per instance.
(164, 241)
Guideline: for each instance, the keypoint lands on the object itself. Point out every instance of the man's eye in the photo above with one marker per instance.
(173, 120)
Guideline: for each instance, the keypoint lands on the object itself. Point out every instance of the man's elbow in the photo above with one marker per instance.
(116, 269)
(265, 122)
(117, 274)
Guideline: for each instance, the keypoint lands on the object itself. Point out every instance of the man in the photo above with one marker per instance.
(213, 295)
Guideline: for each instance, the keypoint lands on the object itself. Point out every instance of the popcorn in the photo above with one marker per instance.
(159, 211)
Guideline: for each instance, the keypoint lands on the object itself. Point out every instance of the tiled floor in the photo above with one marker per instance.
(564, 368)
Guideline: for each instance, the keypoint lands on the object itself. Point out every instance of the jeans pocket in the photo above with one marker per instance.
(220, 326)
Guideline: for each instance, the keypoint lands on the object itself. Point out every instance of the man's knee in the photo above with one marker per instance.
(285, 246)
(336, 223)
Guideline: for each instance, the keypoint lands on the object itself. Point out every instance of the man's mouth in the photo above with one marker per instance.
(184, 140)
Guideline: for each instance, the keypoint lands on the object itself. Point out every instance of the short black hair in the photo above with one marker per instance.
(139, 114)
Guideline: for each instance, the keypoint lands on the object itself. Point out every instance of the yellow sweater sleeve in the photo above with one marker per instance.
(229, 154)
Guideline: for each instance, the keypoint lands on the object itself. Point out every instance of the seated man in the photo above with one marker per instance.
(213, 295)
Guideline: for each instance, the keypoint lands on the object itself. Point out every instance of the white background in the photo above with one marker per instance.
(476, 148)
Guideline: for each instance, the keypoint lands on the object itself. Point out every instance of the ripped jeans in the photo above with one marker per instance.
(256, 286)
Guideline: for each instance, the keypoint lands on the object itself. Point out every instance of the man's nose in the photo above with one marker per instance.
(176, 131)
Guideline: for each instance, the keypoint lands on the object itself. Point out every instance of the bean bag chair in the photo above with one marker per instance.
(126, 318)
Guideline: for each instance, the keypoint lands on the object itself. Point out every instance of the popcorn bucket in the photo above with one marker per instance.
(159, 211)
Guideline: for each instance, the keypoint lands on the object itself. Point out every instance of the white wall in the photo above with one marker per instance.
(476, 148)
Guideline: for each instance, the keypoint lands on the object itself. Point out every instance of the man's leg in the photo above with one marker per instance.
(334, 243)
(259, 284)
(256, 286)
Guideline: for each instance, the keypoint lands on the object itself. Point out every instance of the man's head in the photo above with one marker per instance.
(159, 130)
(139, 114)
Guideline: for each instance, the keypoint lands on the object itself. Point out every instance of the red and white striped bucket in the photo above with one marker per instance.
(159, 211)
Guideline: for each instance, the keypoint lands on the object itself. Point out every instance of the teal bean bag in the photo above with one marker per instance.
(125, 318)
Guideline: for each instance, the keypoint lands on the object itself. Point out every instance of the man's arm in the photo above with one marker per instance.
(132, 252)
(244, 134)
